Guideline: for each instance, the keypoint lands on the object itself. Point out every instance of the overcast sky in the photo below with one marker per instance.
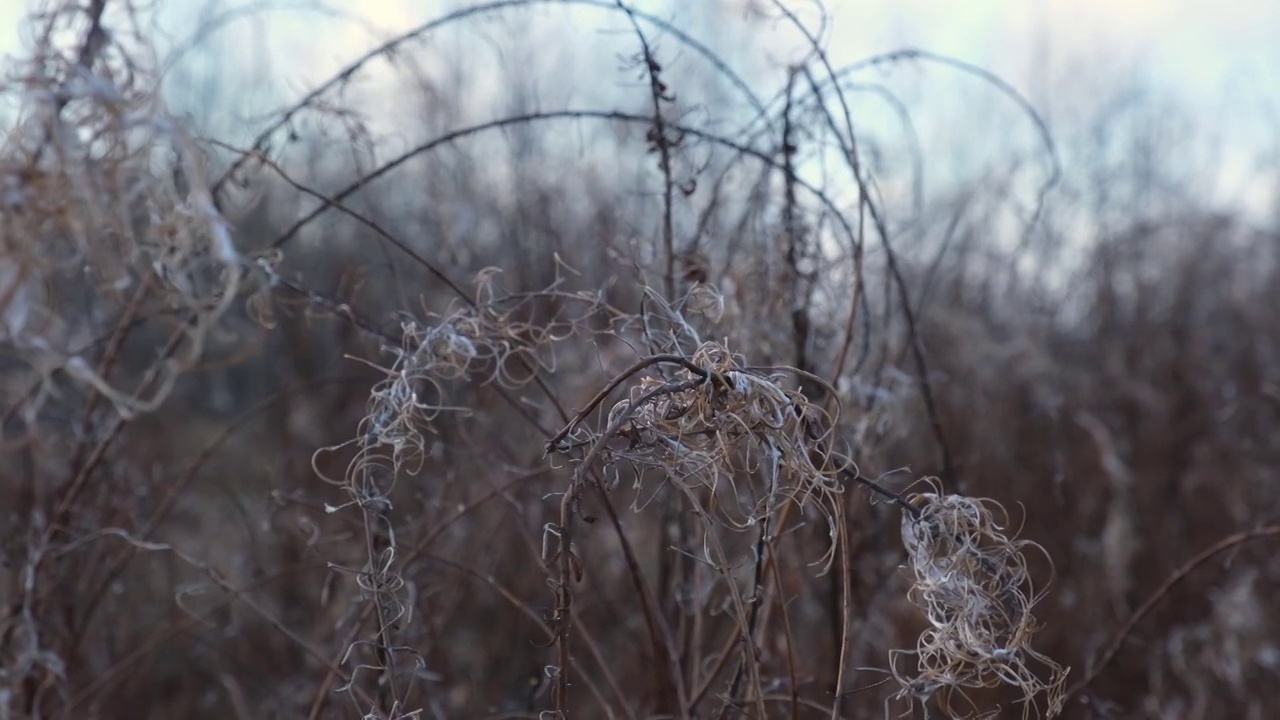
(1219, 60)
(1203, 48)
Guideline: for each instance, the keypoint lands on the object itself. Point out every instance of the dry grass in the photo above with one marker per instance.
(733, 449)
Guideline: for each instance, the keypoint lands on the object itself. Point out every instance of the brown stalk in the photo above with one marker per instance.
(1161, 593)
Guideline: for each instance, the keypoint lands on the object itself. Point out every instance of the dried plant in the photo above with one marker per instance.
(476, 429)
(972, 583)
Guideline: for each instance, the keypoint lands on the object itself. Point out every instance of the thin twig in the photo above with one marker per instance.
(1162, 592)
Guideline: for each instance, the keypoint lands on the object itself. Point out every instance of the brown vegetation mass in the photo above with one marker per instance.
(281, 443)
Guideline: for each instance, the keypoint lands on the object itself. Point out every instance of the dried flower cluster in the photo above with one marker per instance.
(105, 205)
(972, 583)
(711, 416)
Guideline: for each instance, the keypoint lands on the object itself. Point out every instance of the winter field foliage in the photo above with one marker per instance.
(680, 401)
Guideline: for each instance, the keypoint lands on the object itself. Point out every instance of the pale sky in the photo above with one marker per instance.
(1220, 60)
(1191, 42)
(1203, 47)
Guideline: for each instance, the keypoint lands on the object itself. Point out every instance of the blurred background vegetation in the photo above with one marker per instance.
(226, 227)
